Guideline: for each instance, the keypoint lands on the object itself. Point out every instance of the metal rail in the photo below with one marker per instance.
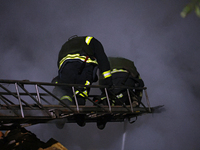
(23, 102)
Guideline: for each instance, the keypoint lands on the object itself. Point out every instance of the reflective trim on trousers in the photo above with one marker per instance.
(85, 93)
(66, 97)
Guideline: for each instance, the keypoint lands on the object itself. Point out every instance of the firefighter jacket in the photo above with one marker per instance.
(119, 64)
(86, 49)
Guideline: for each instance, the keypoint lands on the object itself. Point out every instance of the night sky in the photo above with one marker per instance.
(164, 46)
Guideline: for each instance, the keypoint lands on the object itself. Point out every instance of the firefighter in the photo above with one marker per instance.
(77, 62)
(124, 73)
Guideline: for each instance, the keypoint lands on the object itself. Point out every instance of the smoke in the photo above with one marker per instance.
(164, 47)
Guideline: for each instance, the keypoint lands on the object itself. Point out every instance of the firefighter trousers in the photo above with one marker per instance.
(70, 74)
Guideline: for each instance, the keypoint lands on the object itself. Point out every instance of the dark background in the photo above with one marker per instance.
(164, 47)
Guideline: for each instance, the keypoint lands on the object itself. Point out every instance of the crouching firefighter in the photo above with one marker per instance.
(77, 62)
(124, 73)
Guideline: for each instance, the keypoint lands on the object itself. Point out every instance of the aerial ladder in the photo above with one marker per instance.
(24, 103)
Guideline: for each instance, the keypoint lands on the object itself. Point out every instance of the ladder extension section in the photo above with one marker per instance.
(26, 102)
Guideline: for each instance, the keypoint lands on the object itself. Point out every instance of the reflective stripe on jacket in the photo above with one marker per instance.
(106, 74)
(79, 51)
(118, 70)
(76, 57)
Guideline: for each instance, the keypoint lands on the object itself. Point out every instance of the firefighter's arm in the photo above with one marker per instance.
(103, 63)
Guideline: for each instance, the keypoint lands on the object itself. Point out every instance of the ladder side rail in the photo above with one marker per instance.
(40, 106)
(24, 82)
(19, 99)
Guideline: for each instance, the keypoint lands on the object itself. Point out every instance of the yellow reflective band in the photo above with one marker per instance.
(76, 56)
(118, 70)
(87, 82)
(66, 97)
(103, 98)
(88, 39)
(84, 93)
(120, 95)
(106, 74)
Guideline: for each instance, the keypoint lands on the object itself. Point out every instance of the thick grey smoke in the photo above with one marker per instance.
(164, 47)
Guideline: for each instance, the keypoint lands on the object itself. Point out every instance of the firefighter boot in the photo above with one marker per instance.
(101, 121)
(80, 119)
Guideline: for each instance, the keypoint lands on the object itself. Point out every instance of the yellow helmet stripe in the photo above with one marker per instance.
(88, 39)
